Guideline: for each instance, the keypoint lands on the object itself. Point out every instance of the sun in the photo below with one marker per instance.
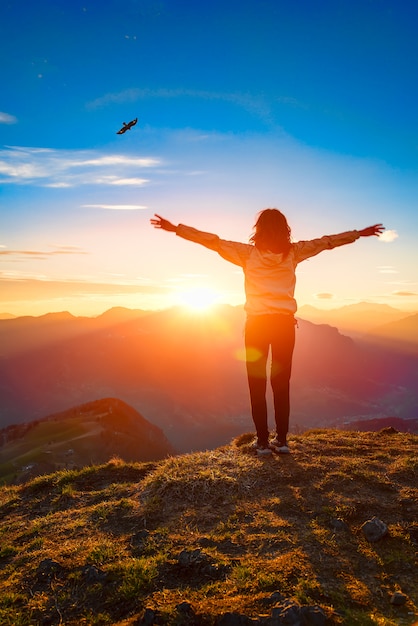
(198, 299)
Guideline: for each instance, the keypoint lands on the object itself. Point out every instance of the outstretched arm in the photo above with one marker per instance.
(229, 250)
(376, 229)
(160, 222)
(306, 249)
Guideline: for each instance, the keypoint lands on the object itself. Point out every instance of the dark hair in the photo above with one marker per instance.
(272, 232)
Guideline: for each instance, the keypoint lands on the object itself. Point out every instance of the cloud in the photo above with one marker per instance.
(27, 289)
(324, 296)
(404, 294)
(115, 207)
(388, 235)
(116, 160)
(41, 254)
(66, 249)
(5, 118)
(48, 167)
(113, 180)
(255, 105)
(387, 269)
(57, 185)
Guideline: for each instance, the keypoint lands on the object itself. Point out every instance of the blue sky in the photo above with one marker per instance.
(307, 106)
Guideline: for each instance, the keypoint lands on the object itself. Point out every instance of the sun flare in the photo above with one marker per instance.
(198, 299)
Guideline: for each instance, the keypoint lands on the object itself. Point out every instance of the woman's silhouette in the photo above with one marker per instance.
(269, 262)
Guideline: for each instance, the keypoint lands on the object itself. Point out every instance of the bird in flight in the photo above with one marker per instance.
(126, 126)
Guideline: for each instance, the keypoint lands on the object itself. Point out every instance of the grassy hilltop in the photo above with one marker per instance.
(195, 538)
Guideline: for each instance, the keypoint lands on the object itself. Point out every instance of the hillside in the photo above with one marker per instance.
(88, 434)
(402, 333)
(220, 538)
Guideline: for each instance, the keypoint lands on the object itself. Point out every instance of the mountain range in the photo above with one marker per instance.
(185, 373)
(372, 322)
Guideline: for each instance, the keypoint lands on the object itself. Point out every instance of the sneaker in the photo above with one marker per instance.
(280, 447)
(260, 449)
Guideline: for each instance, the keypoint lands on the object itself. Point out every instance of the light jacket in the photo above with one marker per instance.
(270, 278)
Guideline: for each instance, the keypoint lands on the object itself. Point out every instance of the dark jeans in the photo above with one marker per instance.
(261, 332)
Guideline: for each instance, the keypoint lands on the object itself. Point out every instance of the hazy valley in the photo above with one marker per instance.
(185, 372)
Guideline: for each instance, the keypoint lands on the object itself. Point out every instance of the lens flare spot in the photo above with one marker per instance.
(250, 355)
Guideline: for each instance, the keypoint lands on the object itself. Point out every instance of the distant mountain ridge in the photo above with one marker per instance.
(400, 332)
(28, 332)
(378, 424)
(186, 372)
(360, 318)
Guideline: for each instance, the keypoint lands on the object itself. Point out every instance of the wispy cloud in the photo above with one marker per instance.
(6, 118)
(58, 185)
(115, 207)
(387, 269)
(114, 180)
(66, 249)
(388, 236)
(257, 106)
(48, 167)
(14, 289)
(41, 254)
(116, 160)
(405, 294)
(324, 296)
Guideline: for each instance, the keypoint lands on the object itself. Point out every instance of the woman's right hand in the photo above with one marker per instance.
(160, 222)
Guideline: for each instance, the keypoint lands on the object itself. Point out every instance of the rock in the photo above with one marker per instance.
(205, 542)
(185, 608)
(191, 557)
(398, 598)
(289, 615)
(313, 616)
(413, 533)
(139, 541)
(149, 618)
(339, 524)
(140, 538)
(200, 563)
(274, 598)
(92, 574)
(186, 615)
(233, 619)
(389, 430)
(374, 529)
(292, 614)
(47, 569)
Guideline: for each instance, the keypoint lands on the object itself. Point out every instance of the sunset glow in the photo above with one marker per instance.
(199, 299)
(240, 106)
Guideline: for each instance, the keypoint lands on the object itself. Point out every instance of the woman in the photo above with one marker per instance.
(269, 262)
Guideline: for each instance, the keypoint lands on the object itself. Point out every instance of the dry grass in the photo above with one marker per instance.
(221, 530)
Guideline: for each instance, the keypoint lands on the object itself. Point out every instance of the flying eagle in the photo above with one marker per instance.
(126, 126)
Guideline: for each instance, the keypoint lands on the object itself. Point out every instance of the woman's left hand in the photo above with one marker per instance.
(376, 229)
